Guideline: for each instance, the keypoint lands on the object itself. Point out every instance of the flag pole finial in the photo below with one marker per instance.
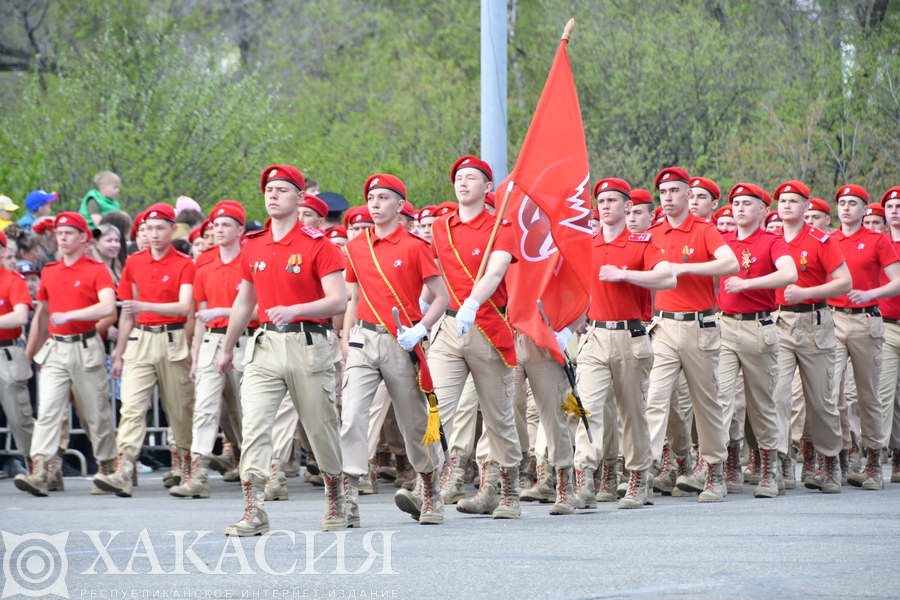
(567, 32)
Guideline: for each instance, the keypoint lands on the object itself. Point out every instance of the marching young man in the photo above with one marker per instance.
(216, 286)
(475, 336)
(15, 368)
(750, 336)
(615, 353)
(75, 293)
(387, 268)
(685, 331)
(806, 339)
(293, 273)
(858, 325)
(156, 289)
(890, 364)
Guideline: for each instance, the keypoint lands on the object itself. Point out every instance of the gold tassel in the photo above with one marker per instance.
(433, 431)
(571, 406)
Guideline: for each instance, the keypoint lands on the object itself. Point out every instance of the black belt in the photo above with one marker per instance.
(6, 343)
(223, 330)
(78, 337)
(160, 328)
(857, 310)
(301, 327)
(749, 316)
(452, 313)
(684, 316)
(802, 308)
(617, 325)
(891, 321)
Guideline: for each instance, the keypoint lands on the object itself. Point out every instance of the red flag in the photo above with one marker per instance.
(550, 209)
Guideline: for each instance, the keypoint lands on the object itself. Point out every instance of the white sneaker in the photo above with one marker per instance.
(142, 468)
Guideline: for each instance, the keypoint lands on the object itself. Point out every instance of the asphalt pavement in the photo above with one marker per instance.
(802, 545)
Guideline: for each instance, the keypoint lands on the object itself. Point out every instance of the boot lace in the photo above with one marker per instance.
(830, 469)
(482, 489)
(634, 483)
(607, 476)
(561, 477)
(666, 461)
(248, 500)
(873, 466)
(505, 498)
(427, 493)
(765, 465)
(452, 467)
(809, 456)
(579, 481)
(753, 467)
(331, 495)
(732, 465)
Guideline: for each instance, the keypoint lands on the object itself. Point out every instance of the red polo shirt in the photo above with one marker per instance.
(890, 307)
(218, 283)
(405, 261)
(73, 287)
(470, 239)
(621, 301)
(13, 290)
(157, 281)
(756, 254)
(207, 256)
(265, 263)
(867, 252)
(816, 255)
(694, 241)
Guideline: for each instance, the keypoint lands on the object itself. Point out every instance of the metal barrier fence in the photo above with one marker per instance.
(154, 430)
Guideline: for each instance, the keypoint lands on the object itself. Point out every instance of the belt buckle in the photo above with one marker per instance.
(157, 328)
(380, 328)
(678, 316)
(280, 328)
(610, 324)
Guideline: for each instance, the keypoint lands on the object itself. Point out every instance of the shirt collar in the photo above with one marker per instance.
(804, 231)
(620, 240)
(839, 234)
(62, 262)
(164, 259)
(287, 239)
(476, 223)
(393, 237)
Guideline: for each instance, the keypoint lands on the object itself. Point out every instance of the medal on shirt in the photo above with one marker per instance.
(686, 253)
(745, 261)
(293, 265)
(803, 260)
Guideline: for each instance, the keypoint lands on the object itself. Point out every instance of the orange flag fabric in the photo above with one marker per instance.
(550, 209)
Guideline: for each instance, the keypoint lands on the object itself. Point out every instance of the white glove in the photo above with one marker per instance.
(408, 337)
(465, 316)
(562, 338)
(423, 306)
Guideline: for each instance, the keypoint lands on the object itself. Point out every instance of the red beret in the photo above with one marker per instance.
(382, 180)
(428, 211)
(748, 189)
(725, 211)
(891, 194)
(282, 173)
(409, 210)
(73, 219)
(875, 209)
(464, 162)
(361, 214)
(490, 199)
(766, 197)
(444, 208)
(207, 224)
(315, 203)
(852, 190)
(658, 213)
(640, 196)
(818, 204)
(160, 210)
(195, 233)
(795, 187)
(228, 208)
(612, 184)
(138, 221)
(3, 241)
(336, 232)
(707, 184)
(773, 216)
(672, 174)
